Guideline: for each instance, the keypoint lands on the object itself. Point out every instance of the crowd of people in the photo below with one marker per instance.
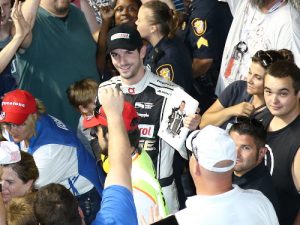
(86, 87)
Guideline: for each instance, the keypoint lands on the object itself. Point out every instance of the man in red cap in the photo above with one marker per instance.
(146, 188)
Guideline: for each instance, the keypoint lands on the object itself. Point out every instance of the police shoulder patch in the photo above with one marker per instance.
(166, 71)
(199, 26)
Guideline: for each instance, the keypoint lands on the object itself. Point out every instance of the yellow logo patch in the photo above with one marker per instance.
(166, 71)
(199, 26)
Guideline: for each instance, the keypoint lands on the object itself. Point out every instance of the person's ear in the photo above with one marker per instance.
(143, 51)
(153, 28)
(82, 110)
(29, 185)
(261, 153)
(194, 166)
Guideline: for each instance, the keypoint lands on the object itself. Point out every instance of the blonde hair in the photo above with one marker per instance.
(20, 211)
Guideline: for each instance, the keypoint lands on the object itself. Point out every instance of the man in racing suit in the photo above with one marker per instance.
(149, 94)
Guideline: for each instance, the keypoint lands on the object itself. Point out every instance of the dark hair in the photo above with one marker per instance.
(267, 58)
(282, 69)
(55, 204)
(253, 128)
(164, 17)
(26, 169)
(82, 92)
(134, 136)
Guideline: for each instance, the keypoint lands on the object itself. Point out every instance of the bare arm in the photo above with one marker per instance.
(296, 178)
(29, 9)
(107, 13)
(91, 18)
(201, 66)
(296, 170)
(216, 115)
(22, 29)
(119, 150)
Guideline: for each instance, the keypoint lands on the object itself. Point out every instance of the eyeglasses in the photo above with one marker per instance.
(265, 58)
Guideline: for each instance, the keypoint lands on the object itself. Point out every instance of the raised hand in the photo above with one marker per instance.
(22, 28)
(112, 101)
(243, 109)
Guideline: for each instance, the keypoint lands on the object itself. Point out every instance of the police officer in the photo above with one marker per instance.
(204, 29)
(166, 56)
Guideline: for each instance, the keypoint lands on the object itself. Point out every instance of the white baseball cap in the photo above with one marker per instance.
(212, 145)
(9, 152)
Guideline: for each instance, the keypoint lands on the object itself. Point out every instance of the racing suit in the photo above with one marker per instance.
(149, 96)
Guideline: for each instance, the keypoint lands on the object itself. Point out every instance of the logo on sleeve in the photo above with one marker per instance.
(166, 71)
(199, 26)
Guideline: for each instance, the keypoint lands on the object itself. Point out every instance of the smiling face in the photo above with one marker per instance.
(12, 185)
(280, 96)
(129, 64)
(126, 11)
(255, 79)
(5, 7)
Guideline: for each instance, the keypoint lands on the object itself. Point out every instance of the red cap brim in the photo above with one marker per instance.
(89, 122)
(15, 118)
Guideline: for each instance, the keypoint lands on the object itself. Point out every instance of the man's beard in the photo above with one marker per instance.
(260, 3)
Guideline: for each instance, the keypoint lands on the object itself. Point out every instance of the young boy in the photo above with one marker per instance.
(82, 96)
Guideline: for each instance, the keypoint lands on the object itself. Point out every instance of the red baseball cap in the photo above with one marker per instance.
(129, 113)
(16, 106)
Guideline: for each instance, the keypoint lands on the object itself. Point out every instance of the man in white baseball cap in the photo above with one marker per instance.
(217, 200)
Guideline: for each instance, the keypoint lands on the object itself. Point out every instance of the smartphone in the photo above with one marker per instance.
(169, 220)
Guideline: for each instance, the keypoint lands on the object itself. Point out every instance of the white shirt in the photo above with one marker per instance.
(260, 31)
(235, 207)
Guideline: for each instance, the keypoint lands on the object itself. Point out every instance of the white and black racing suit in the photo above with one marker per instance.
(149, 96)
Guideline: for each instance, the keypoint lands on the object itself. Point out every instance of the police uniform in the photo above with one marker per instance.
(170, 60)
(204, 31)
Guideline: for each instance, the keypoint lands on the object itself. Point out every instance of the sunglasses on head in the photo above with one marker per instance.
(265, 58)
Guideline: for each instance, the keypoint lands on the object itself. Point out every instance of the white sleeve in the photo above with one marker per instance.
(56, 163)
(295, 15)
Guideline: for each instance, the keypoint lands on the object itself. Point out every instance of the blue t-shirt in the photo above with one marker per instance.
(117, 207)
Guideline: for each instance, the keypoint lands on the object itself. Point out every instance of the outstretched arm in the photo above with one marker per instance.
(217, 115)
(22, 29)
(119, 150)
(107, 13)
(29, 9)
(90, 18)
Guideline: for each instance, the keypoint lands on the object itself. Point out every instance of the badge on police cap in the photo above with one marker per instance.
(166, 71)
(199, 26)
